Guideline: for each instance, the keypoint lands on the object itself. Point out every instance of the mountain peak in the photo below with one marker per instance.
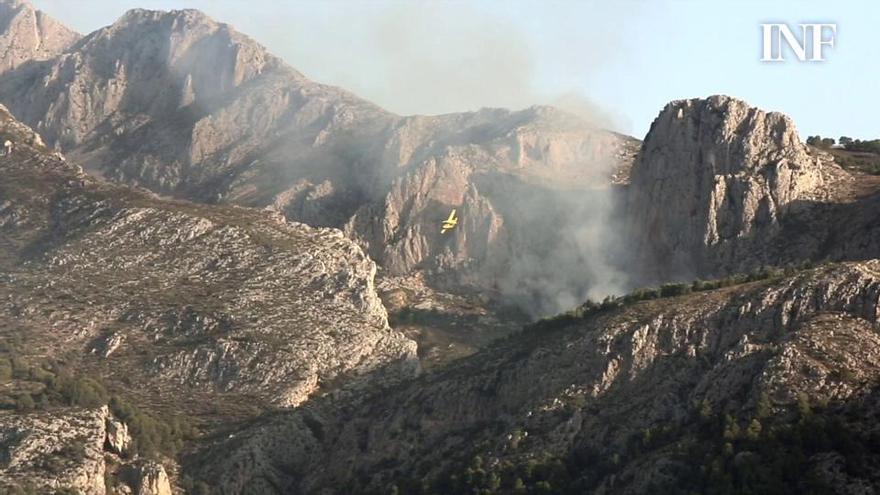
(725, 172)
(191, 16)
(27, 34)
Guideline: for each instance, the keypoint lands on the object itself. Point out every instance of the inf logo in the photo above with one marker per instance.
(813, 38)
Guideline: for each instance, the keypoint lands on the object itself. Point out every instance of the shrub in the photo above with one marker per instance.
(5, 370)
(24, 402)
(151, 435)
(83, 392)
(672, 290)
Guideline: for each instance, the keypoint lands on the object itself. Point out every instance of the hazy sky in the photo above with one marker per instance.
(620, 61)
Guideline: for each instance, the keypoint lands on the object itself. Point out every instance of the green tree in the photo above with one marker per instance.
(763, 407)
(543, 487)
(705, 410)
(5, 370)
(24, 402)
(803, 404)
(731, 428)
(670, 290)
(753, 432)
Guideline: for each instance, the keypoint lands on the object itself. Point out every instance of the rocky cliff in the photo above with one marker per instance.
(27, 35)
(70, 451)
(522, 183)
(714, 184)
(635, 399)
(208, 298)
(54, 451)
(184, 105)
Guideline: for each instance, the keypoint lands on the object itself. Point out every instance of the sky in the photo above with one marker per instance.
(615, 62)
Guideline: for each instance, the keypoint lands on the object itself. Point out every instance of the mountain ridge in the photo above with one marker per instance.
(247, 308)
(142, 102)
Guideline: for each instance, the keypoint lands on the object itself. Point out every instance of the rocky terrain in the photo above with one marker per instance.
(233, 280)
(623, 401)
(726, 390)
(76, 451)
(740, 190)
(161, 297)
(186, 106)
(29, 35)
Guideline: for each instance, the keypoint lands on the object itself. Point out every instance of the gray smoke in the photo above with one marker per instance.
(437, 57)
(565, 245)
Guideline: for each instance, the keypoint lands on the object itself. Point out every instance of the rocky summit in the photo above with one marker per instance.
(218, 276)
(740, 190)
(30, 35)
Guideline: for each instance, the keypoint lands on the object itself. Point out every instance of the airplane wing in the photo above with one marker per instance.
(451, 218)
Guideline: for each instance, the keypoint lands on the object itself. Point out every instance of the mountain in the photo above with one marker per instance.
(756, 382)
(186, 106)
(75, 450)
(189, 301)
(200, 310)
(739, 191)
(29, 35)
(763, 387)
(231, 298)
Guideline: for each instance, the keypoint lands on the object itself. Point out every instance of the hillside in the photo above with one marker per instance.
(218, 276)
(761, 387)
(236, 310)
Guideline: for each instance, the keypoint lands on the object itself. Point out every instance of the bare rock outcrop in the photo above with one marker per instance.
(712, 182)
(77, 450)
(27, 34)
(49, 451)
(150, 478)
(118, 438)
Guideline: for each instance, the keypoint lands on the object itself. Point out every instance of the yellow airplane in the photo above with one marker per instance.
(449, 222)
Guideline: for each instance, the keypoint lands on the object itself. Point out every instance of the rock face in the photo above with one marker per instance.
(522, 183)
(152, 480)
(712, 183)
(73, 449)
(118, 438)
(617, 408)
(29, 35)
(225, 298)
(54, 451)
(186, 106)
(181, 104)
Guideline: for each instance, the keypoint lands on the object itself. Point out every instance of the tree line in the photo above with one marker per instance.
(847, 143)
